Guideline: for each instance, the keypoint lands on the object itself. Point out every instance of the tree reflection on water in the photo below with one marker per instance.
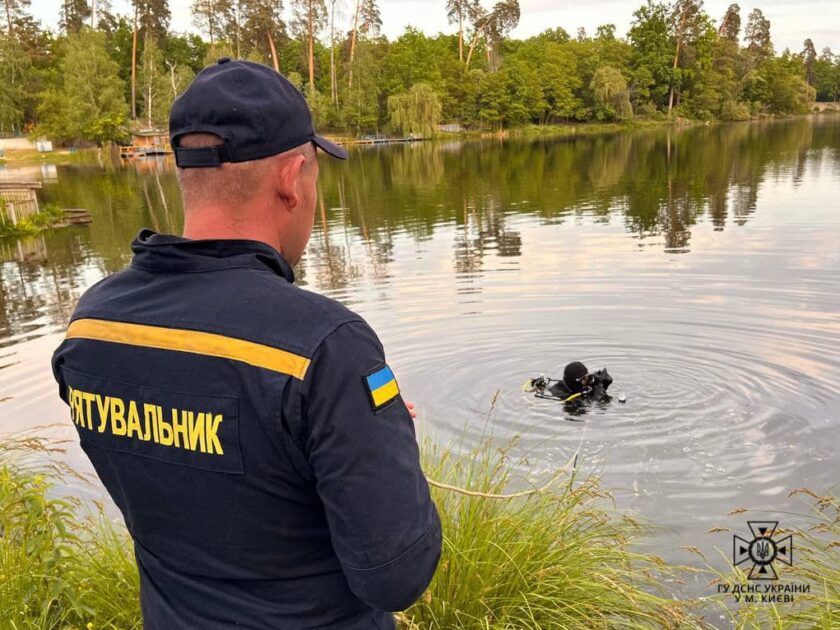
(658, 183)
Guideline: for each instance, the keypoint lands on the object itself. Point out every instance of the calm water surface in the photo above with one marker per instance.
(701, 266)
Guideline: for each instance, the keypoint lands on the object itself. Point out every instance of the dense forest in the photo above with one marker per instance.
(101, 74)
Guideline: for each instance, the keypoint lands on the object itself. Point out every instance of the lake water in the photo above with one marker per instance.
(701, 266)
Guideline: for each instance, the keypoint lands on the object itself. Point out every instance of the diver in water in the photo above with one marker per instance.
(576, 386)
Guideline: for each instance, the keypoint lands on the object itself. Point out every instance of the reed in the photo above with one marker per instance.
(560, 557)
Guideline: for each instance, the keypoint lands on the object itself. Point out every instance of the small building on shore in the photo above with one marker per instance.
(147, 142)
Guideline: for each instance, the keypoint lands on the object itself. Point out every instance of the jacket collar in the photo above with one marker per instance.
(166, 252)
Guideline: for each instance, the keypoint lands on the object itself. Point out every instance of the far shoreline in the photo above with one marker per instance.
(95, 155)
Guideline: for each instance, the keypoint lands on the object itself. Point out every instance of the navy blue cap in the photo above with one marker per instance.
(255, 110)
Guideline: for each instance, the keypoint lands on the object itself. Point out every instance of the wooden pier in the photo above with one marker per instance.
(383, 140)
(75, 216)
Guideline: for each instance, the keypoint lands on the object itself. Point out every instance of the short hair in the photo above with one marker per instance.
(232, 182)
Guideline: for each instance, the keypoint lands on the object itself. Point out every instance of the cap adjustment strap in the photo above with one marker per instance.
(202, 156)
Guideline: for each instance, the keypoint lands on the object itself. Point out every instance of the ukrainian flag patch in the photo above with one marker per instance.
(382, 387)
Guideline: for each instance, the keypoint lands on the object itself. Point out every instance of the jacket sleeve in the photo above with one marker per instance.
(384, 527)
(56, 362)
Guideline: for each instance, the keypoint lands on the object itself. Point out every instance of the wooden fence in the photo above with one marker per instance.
(18, 200)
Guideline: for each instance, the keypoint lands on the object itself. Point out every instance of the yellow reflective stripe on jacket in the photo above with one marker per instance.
(194, 341)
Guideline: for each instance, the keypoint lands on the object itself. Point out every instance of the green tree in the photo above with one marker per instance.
(778, 86)
(688, 23)
(559, 78)
(118, 42)
(416, 111)
(154, 84)
(557, 35)
(611, 95)
(827, 76)
(716, 92)
(187, 50)
(361, 103)
(494, 99)
(177, 78)
(87, 101)
(652, 57)
(788, 91)
(757, 36)
(370, 20)
(15, 69)
(610, 50)
(412, 58)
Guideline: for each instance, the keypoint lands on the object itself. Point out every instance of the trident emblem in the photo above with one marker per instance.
(762, 550)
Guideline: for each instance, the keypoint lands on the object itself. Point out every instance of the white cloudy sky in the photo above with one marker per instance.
(792, 21)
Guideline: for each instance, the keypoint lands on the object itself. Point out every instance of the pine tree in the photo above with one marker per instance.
(730, 26)
(309, 19)
(370, 22)
(210, 16)
(153, 18)
(15, 11)
(686, 23)
(809, 58)
(495, 25)
(367, 22)
(74, 15)
(757, 35)
(462, 12)
(262, 27)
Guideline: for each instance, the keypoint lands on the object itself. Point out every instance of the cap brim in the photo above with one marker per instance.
(330, 147)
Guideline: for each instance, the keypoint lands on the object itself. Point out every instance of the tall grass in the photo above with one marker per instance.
(61, 566)
(559, 558)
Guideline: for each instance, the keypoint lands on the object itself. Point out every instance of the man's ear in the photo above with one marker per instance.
(286, 176)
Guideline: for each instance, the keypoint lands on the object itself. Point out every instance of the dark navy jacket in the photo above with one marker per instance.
(253, 438)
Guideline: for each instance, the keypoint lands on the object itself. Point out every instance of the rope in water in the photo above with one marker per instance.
(515, 495)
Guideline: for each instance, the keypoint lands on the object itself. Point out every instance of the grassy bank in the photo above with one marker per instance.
(32, 157)
(560, 557)
(49, 216)
(557, 558)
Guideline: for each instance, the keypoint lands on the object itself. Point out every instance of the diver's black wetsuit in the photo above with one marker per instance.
(597, 393)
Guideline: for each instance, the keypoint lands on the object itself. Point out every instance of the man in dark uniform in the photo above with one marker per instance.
(250, 432)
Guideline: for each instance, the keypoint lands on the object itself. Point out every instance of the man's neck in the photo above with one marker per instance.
(216, 223)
